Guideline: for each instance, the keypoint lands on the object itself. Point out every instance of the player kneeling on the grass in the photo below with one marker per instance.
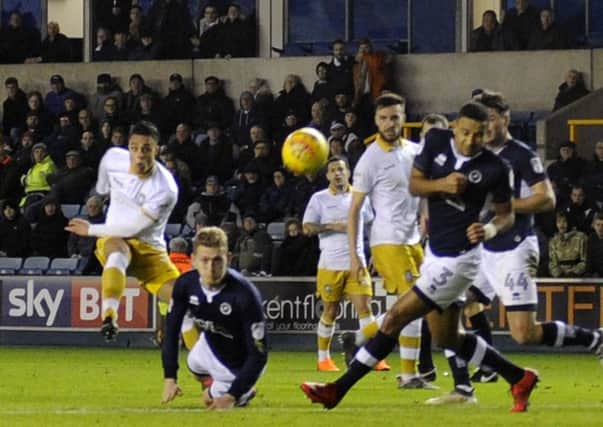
(143, 194)
(327, 216)
(231, 353)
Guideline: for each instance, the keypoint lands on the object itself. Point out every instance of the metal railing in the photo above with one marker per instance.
(574, 123)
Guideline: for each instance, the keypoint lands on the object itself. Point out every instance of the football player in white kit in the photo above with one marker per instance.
(142, 194)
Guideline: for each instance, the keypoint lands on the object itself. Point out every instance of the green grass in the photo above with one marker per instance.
(42, 386)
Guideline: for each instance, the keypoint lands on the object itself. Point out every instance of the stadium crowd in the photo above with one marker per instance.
(225, 158)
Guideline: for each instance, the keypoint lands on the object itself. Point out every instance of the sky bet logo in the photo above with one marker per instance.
(64, 302)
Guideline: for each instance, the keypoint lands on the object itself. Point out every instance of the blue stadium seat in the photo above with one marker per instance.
(9, 266)
(70, 211)
(63, 266)
(34, 265)
(276, 230)
(172, 230)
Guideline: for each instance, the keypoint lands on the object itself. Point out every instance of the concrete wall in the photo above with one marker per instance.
(431, 83)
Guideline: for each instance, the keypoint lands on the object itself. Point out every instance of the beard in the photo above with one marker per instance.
(390, 139)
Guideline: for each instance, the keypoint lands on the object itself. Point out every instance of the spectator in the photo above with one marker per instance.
(23, 154)
(214, 106)
(56, 47)
(122, 47)
(83, 247)
(182, 176)
(594, 172)
(119, 137)
(136, 24)
(147, 49)
(253, 249)
(71, 109)
(86, 121)
(579, 212)
(112, 113)
(250, 189)
(290, 124)
(567, 250)
(264, 99)
(44, 117)
(91, 150)
(339, 132)
(322, 87)
(171, 24)
(205, 44)
(15, 231)
(431, 121)
(32, 125)
(548, 34)
(340, 108)
(265, 160)
(247, 152)
(210, 208)
(113, 14)
(216, 154)
(186, 150)
(132, 97)
(567, 170)
(276, 198)
(298, 254)
(20, 43)
(372, 75)
(179, 254)
(340, 70)
(571, 90)
(55, 99)
(148, 111)
(336, 148)
(492, 36)
(244, 119)
(49, 237)
(521, 20)
(35, 182)
(236, 38)
(106, 134)
(71, 184)
(104, 49)
(595, 247)
(64, 138)
(320, 119)
(303, 189)
(14, 108)
(178, 106)
(105, 88)
(10, 186)
(293, 98)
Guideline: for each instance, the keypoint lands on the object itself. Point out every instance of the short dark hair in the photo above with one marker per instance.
(598, 216)
(494, 100)
(490, 12)
(214, 78)
(338, 158)
(474, 111)
(11, 81)
(389, 99)
(561, 214)
(337, 41)
(320, 64)
(145, 128)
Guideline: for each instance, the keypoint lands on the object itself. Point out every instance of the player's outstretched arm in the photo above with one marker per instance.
(421, 185)
(171, 390)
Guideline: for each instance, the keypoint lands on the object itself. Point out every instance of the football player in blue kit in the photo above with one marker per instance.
(231, 352)
(510, 259)
(457, 175)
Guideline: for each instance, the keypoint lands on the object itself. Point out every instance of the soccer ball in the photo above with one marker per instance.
(305, 151)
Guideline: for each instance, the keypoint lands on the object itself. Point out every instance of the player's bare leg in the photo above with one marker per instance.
(113, 282)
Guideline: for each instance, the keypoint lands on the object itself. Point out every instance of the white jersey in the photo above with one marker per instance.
(326, 207)
(155, 195)
(383, 173)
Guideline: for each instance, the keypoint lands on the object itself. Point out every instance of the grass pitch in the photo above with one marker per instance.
(43, 386)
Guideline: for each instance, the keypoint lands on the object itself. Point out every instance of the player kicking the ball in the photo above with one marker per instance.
(456, 174)
(142, 194)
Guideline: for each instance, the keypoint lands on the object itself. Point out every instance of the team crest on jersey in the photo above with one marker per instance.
(140, 198)
(258, 330)
(440, 159)
(328, 288)
(408, 276)
(475, 176)
(225, 308)
(537, 165)
(193, 300)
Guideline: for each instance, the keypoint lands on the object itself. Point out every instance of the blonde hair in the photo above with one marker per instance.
(211, 237)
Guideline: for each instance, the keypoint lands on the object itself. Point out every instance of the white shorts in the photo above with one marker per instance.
(202, 361)
(507, 274)
(444, 280)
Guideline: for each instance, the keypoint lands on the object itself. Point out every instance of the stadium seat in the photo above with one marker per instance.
(63, 266)
(172, 230)
(276, 230)
(9, 266)
(34, 265)
(70, 211)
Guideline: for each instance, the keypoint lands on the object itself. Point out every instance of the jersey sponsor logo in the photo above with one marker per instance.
(210, 326)
(193, 300)
(475, 176)
(225, 308)
(441, 159)
(537, 166)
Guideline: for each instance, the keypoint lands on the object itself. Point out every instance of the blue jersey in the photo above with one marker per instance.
(232, 319)
(450, 216)
(527, 171)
